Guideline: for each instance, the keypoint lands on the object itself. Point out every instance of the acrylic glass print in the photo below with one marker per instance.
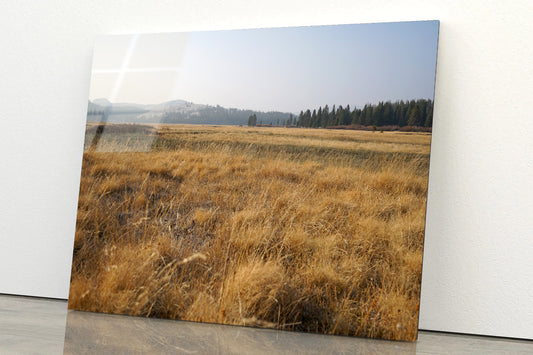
(273, 177)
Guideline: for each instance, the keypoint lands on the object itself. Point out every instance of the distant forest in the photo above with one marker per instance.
(219, 115)
(414, 113)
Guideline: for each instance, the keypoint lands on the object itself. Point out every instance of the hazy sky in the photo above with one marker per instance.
(283, 69)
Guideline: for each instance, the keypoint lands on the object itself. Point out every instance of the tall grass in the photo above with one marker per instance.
(215, 225)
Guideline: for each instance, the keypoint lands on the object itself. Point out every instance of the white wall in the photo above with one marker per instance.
(478, 275)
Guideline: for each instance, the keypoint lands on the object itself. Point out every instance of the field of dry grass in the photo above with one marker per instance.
(298, 229)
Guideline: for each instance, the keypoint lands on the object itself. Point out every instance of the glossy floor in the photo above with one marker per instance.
(40, 326)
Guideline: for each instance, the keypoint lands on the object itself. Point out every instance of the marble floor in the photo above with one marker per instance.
(42, 326)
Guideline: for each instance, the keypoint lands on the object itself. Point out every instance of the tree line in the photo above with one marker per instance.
(218, 115)
(278, 121)
(414, 113)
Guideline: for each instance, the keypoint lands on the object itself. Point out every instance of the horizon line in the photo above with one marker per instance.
(250, 109)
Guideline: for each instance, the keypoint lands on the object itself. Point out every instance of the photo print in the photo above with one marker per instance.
(271, 178)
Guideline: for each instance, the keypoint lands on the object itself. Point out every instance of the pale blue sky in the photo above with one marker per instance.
(283, 69)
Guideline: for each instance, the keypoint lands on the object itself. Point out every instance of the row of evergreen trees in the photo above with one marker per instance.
(253, 121)
(400, 113)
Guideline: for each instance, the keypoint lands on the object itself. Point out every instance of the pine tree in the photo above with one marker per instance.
(338, 117)
(366, 115)
(429, 118)
(378, 115)
(252, 120)
(346, 116)
(404, 116)
(325, 117)
(356, 116)
(332, 117)
(307, 116)
(414, 116)
(388, 114)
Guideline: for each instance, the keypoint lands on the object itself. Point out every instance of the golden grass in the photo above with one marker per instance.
(255, 227)
(343, 139)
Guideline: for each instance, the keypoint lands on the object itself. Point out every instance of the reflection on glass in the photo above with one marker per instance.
(105, 333)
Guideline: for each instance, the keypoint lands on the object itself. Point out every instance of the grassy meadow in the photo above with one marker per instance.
(299, 229)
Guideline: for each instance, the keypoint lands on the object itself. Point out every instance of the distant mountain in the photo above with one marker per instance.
(101, 102)
(167, 105)
(178, 111)
(104, 104)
